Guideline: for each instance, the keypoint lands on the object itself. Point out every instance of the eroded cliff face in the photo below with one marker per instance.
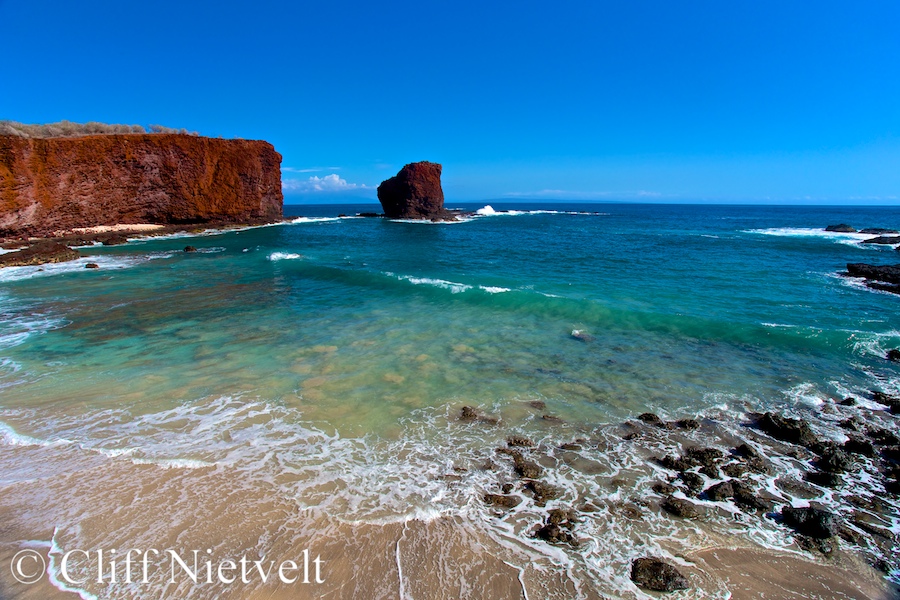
(413, 193)
(53, 185)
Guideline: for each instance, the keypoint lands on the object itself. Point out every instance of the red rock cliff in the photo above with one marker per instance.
(413, 193)
(48, 185)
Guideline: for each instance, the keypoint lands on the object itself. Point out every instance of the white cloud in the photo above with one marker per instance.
(316, 184)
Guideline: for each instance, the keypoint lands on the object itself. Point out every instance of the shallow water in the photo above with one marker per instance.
(318, 367)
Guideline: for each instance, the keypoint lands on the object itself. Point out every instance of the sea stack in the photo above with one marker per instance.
(414, 193)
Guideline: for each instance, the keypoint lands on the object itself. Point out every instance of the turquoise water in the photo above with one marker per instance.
(363, 338)
(682, 303)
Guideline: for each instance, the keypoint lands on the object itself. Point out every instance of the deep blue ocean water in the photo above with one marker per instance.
(362, 338)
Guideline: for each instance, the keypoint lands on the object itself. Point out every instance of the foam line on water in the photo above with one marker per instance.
(276, 256)
(105, 262)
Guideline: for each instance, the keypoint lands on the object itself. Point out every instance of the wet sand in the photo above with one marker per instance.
(104, 503)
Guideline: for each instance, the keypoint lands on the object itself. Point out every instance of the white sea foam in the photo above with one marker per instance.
(489, 211)
(299, 220)
(454, 287)
(11, 437)
(276, 256)
(368, 480)
(105, 262)
(56, 553)
(494, 289)
(851, 239)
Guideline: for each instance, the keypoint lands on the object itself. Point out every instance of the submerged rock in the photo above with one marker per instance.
(740, 492)
(502, 500)
(413, 193)
(518, 441)
(190, 249)
(811, 521)
(543, 491)
(470, 414)
(581, 336)
(893, 354)
(553, 533)
(842, 228)
(653, 419)
(664, 488)
(92, 266)
(39, 254)
(680, 507)
(689, 424)
(656, 575)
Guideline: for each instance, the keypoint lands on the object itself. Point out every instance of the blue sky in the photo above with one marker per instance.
(643, 101)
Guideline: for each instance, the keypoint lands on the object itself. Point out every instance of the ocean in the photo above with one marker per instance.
(299, 387)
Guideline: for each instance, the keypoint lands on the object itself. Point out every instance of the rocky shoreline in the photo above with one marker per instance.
(832, 481)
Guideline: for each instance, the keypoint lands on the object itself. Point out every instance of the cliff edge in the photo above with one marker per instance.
(48, 186)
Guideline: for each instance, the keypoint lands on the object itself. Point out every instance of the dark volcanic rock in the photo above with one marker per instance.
(693, 481)
(519, 442)
(742, 494)
(882, 437)
(892, 402)
(824, 478)
(858, 445)
(553, 533)
(689, 424)
(112, 239)
(39, 254)
(651, 419)
(414, 193)
(886, 273)
(795, 431)
(877, 231)
(796, 488)
(842, 228)
(663, 487)
(526, 468)
(470, 414)
(654, 574)
(675, 464)
(543, 491)
(92, 266)
(835, 460)
(893, 354)
(810, 521)
(883, 239)
(707, 457)
(680, 508)
(502, 501)
(190, 249)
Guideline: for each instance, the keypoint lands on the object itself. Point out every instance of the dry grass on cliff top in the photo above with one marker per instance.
(69, 129)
